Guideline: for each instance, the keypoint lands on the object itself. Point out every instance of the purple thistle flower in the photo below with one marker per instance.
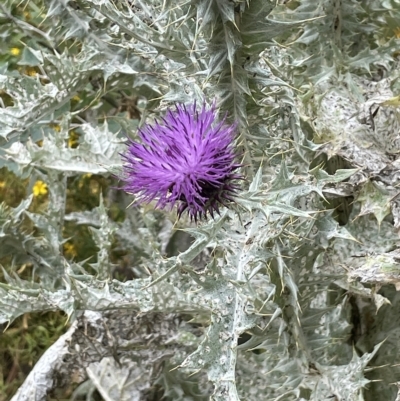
(188, 159)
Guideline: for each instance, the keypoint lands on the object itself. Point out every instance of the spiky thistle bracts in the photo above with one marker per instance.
(187, 159)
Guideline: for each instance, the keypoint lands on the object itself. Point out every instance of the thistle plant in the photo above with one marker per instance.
(188, 159)
(286, 288)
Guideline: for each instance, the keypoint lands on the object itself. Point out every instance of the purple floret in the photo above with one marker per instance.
(187, 159)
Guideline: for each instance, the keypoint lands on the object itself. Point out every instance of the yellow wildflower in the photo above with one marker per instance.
(2, 184)
(73, 139)
(30, 71)
(40, 188)
(15, 51)
(76, 98)
(69, 249)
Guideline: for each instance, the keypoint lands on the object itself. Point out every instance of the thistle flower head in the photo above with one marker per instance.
(187, 159)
